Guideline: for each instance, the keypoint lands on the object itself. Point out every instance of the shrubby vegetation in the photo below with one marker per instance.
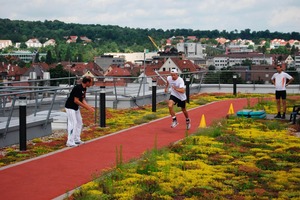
(109, 38)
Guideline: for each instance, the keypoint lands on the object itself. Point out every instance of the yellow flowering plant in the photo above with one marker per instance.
(236, 158)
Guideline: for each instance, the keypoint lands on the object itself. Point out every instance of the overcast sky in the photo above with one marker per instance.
(229, 15)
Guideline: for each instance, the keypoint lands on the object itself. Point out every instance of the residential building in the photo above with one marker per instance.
(34, 42)
(105, 61)
(241, 42)
(5, 43)
(222, 40)
(182, 66)
(289, 61)
(159, 69)
(72, 39)
(117, 71)
(36, 69)
(116, 75)
(258, 73)
(192, 38)
(238, 48)
(297, 61)
(229, 60)
(263, 73)
(134, 69)
(81, 68)
(295, 43)
(85, 39)
(49, 42)
(275, 43)
(11, 72)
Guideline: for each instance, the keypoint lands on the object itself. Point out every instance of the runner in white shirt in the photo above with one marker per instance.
(281, 80)
(178, 96)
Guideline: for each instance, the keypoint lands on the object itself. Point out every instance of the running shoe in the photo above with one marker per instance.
(278, 116)
(188, 124)
(71, 145)
(174, 124)
(79, 142)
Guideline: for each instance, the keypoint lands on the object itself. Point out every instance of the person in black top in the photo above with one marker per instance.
(73, 103)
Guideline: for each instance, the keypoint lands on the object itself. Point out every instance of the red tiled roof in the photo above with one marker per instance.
(80, 68)
(15, 71)
(117, 71)
(185, 65)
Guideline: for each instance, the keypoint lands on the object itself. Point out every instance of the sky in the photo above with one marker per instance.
(228, 15)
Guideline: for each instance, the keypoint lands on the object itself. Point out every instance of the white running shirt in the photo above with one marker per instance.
(178, 83)
(280, 80)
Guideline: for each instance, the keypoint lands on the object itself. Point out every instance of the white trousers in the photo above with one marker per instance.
(74, 125)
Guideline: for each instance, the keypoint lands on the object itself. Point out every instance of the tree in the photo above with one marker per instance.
(37, 57)
(246, 62)
(68, 54)
(79, 57)
(23, 45)
(212, 77)
(294, 50)
(58, 72)
(264, 49)
(280, 50)
(211, 68)
(49, 59)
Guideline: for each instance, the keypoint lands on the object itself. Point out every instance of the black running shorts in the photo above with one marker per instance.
(178, 101)
(280, 94)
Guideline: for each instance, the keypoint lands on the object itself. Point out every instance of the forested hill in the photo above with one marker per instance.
(21, 31)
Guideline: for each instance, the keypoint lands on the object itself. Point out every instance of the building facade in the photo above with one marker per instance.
(5, 43)
(137, 57)
(297, 61)
(107, 60)
(33, 43)
(25, 56)
(224, 61)
(190, 50)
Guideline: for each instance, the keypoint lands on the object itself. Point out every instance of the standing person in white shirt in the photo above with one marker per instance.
(178, 96)
(281, 80)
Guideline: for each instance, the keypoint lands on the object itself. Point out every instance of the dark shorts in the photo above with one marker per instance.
(177, 101)
(280, 94)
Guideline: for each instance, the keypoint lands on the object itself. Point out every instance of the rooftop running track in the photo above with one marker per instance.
(51, 176)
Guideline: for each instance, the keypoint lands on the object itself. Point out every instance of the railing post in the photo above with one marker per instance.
(154, 84)
(96, 106)
(32, 77)
(22, 123)
(102, 106)
(187, 89)
(46, 77)
(234, 77)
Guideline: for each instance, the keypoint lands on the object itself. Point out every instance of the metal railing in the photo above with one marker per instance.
(36, 102)
(47, 91)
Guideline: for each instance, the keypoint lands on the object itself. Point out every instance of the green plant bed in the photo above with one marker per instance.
(218, 162)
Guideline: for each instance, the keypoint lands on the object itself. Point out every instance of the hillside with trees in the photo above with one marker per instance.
(108, 38)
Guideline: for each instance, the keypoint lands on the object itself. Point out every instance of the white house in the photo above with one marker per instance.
(34, 42)
(5, 43)
(49, 42)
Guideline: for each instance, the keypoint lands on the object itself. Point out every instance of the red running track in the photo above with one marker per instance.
(55, 174)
